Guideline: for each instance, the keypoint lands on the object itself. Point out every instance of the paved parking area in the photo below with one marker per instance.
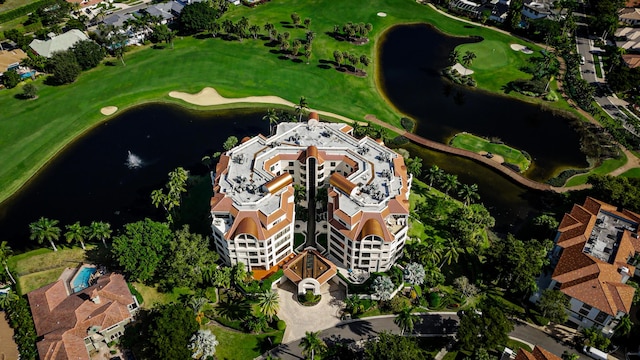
(301, 318)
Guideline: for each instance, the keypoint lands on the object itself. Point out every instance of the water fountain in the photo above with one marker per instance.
(133, 161)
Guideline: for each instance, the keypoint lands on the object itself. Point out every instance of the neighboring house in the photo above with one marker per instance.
(629, 16)
(541, 9)
(538, 353)
(628, 38)
(163, 11)
(632, 60)
(596, 252)
(70, 325)
(364, 220)
(10, 59)
(499, 12)
(61, 42)
(118, 19)
(469, 8)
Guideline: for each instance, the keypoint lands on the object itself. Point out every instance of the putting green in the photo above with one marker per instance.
(490, 54)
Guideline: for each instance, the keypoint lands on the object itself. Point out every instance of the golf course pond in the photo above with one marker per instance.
(109, 173)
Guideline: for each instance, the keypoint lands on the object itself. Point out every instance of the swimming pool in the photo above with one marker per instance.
(81, 279)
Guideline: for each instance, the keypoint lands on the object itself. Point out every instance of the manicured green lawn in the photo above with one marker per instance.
(152, 296)
(45, 259)
(32, 132)
(632, 173)
(37, 268)
(477, 144)
(607, 166)
(14, 4)
(238, 345)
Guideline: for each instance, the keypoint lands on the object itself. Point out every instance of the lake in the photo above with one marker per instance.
(91, 180)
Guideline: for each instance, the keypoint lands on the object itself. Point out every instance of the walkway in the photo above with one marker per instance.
(434, 145)
(301, 318)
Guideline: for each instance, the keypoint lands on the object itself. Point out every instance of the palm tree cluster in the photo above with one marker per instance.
(47, 230)
(172, 199)
(447, 182)
(342, 57)
(353, 32)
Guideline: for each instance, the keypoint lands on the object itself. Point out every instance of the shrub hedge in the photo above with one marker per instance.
(24, 10)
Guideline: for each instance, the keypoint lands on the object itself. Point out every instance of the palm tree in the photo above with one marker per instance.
(269, 303)
(414, 166)
(469, 193)
(450, 182)
(353, 304)
(76, 233)
(238, 273)
(307, 22)
(45, 229)
(299, 193)
(624, 326)
(272, 117)
(311, 343)
(310, 35)
(467, 59)
(5, 252)
(434, 174)
(301, 107)
(406, 320)
(100, 230)
(453, 57)
(451, 253)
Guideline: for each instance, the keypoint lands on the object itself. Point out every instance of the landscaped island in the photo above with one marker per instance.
(493, 148)
(33, 132)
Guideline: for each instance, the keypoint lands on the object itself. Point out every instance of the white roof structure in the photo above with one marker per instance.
(58, 43)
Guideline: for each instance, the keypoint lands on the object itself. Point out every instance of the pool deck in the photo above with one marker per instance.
(66, 277)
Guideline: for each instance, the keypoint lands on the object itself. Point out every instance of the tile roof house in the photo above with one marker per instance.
(69, 326)
(61, 42)
(632, 60)
(629, 16)
(597, 247)
(628, 38)
(538, 353)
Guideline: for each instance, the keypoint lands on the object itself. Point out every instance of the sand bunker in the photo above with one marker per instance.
(209, 97)
(8, 347)
(461, 69)
(382, 14)
(521, 48)
(108, 110)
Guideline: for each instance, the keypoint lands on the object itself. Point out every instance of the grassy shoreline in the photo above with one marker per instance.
(34, 132)
(477, 144)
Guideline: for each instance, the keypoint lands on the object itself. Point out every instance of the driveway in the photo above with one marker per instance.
(300, 319)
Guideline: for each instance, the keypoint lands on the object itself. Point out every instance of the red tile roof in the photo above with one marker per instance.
(585, 277)
(63, 320)
(537, 354)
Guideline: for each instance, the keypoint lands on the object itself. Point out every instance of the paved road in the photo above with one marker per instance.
(432, 325)
(604, 97)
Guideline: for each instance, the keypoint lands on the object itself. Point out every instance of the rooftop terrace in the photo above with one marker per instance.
(374, 169)
(606, 234)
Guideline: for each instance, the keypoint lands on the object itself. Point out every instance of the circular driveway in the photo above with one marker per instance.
(301, 319)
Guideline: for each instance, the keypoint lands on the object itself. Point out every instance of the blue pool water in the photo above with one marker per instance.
(27, 75)
(81, 280)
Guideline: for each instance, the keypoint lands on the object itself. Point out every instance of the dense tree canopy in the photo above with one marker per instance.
(187, 258)
(517, 264)
(618, 190)
(169, 332)
(552, 304)
(486, 328)
(88, 54)
(64, 67)
(393, 347)
(141, 247)
(197, 17)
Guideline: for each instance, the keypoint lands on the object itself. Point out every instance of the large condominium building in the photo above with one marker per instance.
(354, 192)
(596, 252)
